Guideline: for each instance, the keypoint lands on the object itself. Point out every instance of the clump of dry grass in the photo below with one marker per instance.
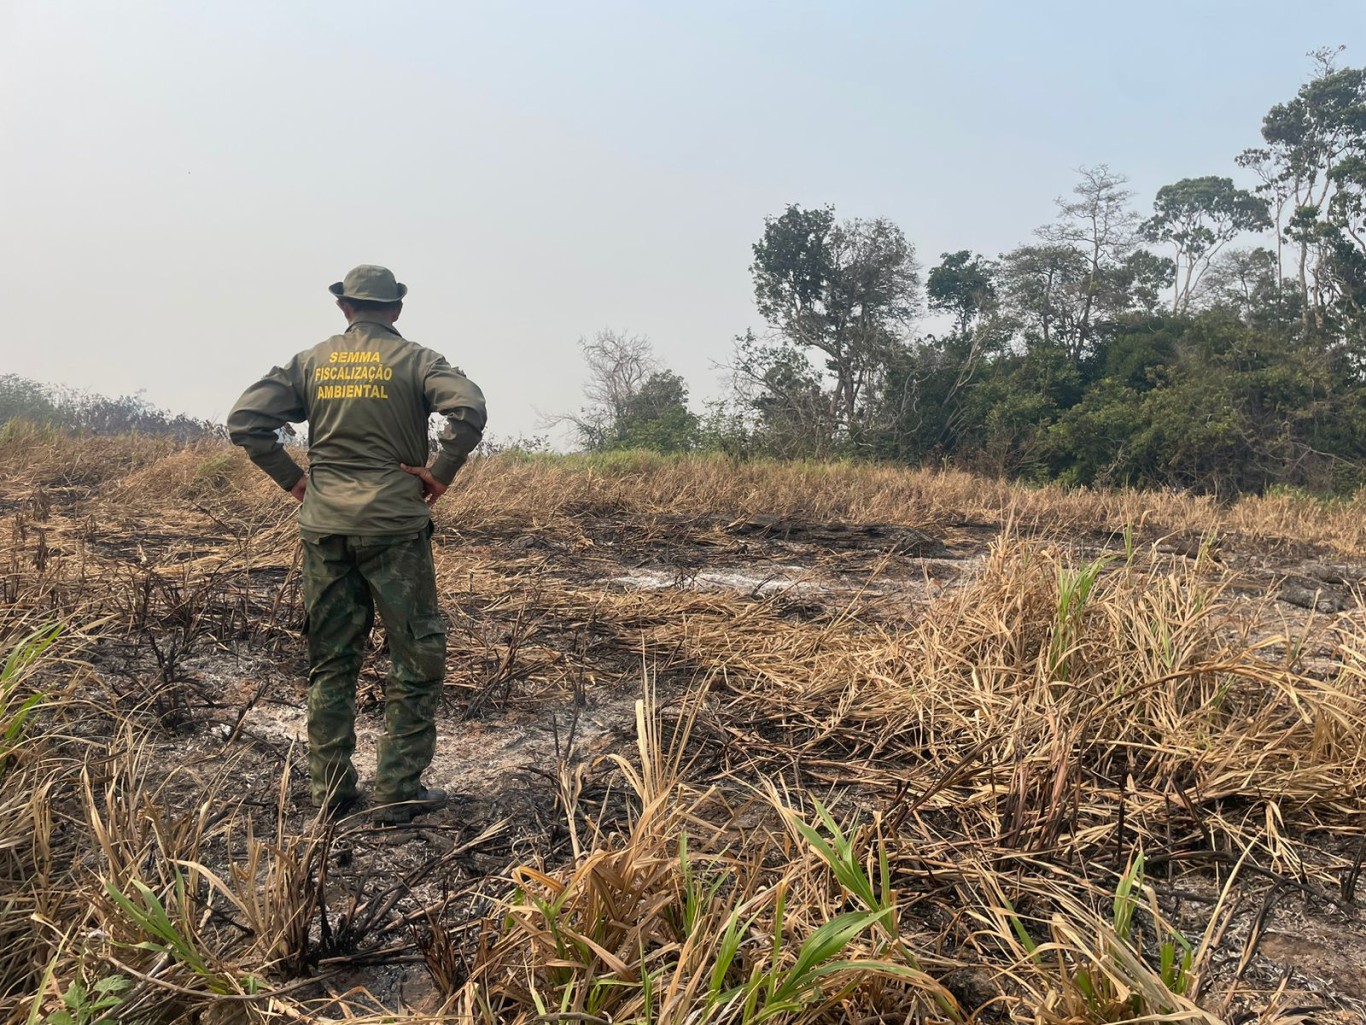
(1061, 710)
(677, 920)
(121, 903)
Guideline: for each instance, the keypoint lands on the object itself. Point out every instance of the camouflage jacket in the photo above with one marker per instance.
(367, 395)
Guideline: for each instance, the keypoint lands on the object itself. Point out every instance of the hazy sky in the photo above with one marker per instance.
(180, 181)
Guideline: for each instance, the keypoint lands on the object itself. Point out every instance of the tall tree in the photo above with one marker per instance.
(963, 284)
(846, 289)
(1087, 269)
(1101, 229)
(1046, 295)
(1313, 145)
(1197, 217)
(1247, 281)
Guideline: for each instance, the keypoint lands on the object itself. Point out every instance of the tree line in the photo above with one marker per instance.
(80, 412)
(1213, 342)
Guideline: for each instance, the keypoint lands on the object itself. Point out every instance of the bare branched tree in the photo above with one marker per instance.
(633, 400)
(1101, 228)
(618, 365)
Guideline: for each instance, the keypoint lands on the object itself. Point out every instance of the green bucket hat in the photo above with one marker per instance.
(369, 283)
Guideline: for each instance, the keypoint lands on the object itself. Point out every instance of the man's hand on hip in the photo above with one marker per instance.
(297, 491)
(432, 489)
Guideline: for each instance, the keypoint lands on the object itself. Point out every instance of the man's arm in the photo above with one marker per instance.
(459, 400)
(262, 410)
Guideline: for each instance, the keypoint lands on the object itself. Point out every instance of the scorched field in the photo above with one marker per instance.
(728, 742)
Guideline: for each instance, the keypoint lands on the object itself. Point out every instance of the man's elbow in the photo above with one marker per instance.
(246, 438)
(240, 428)
(465, 435)
(258, 441)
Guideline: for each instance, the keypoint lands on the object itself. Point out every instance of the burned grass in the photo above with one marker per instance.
(729, 743)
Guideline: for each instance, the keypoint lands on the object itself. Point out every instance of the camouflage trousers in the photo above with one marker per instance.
(345, 579)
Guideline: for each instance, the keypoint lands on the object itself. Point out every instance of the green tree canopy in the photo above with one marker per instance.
(964, 285)
(845, 290)
(1197, 217)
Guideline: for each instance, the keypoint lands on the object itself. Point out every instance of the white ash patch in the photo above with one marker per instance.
(775, 580)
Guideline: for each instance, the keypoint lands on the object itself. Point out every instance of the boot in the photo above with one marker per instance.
(427, 799)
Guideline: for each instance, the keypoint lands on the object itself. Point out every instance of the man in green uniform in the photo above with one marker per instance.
(367, 395)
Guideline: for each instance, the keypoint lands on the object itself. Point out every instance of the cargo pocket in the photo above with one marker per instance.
(429, 646)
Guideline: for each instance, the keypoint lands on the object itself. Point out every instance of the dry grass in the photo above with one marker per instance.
(641, 487)
(971, 808)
